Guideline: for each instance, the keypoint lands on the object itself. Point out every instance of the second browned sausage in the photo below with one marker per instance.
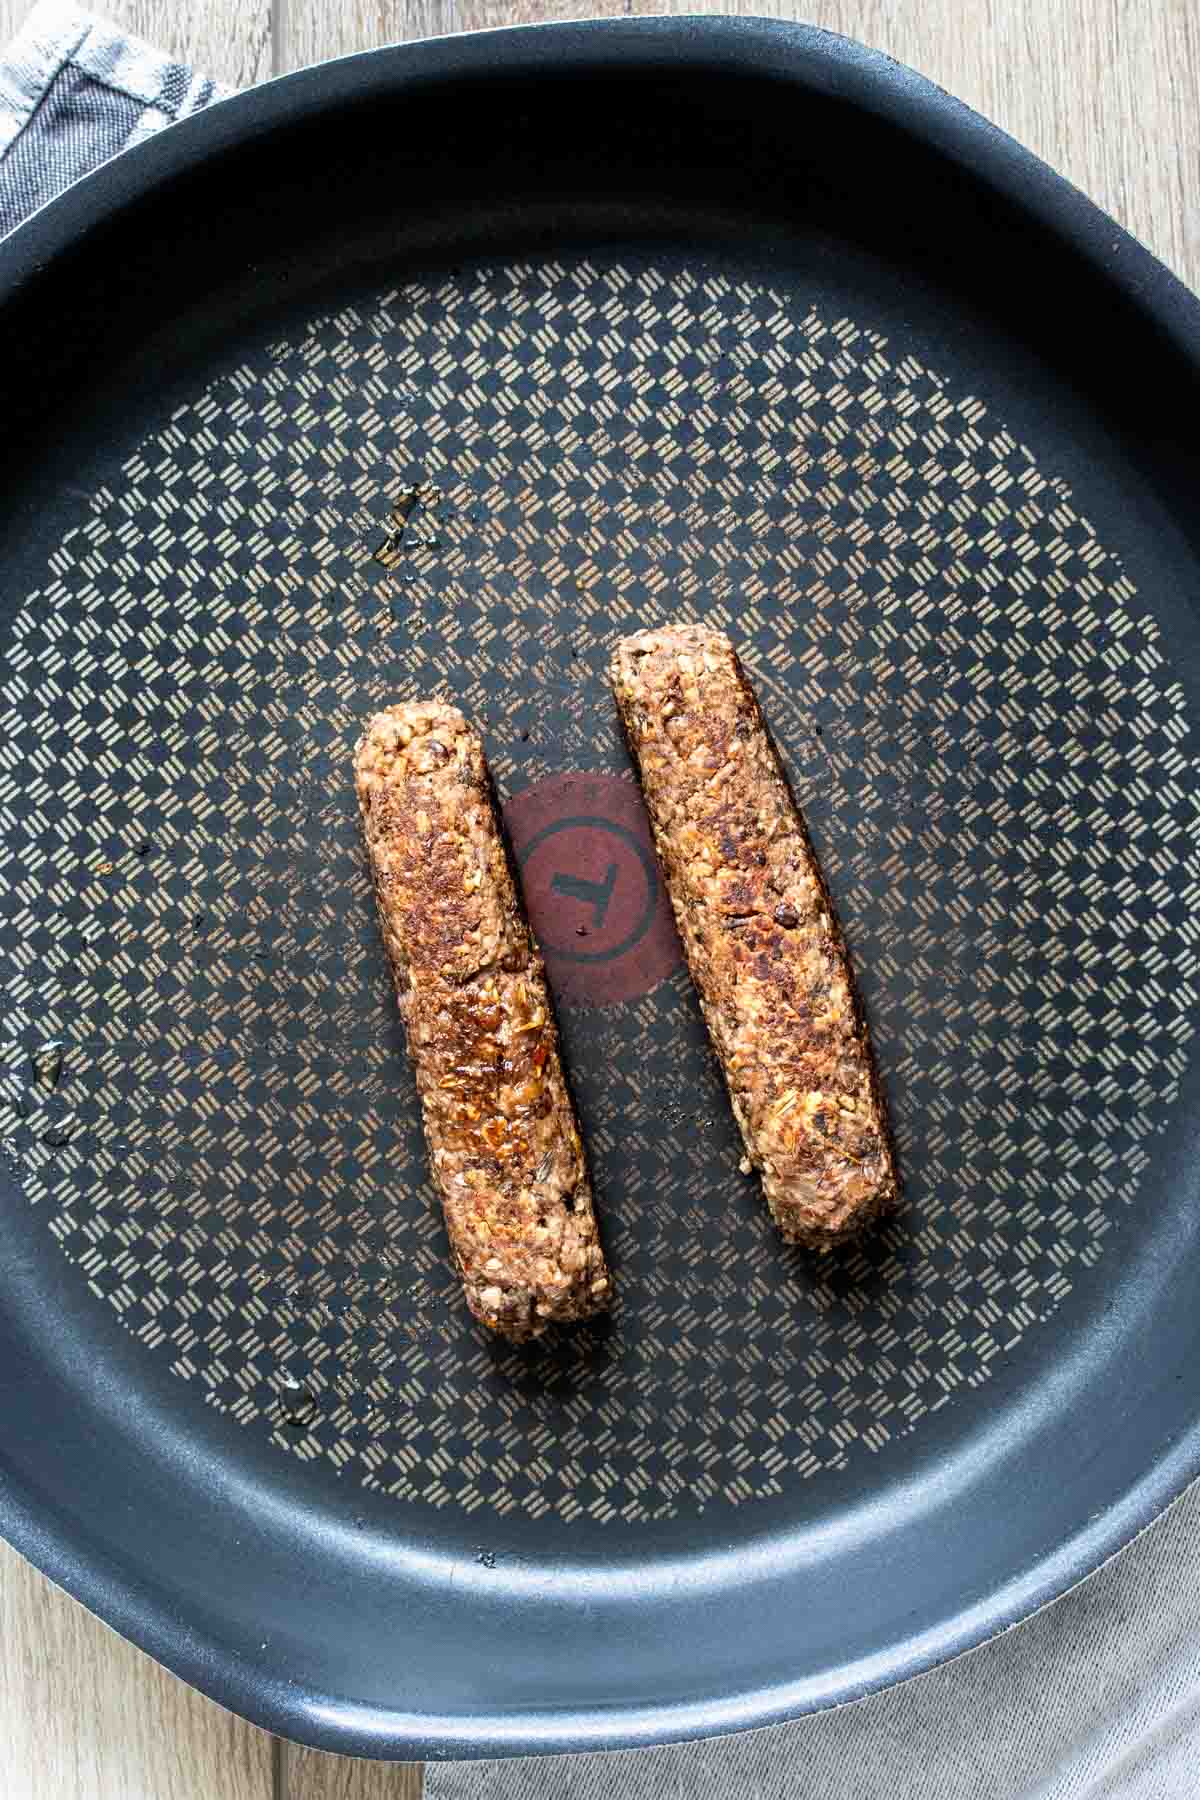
(758, 928)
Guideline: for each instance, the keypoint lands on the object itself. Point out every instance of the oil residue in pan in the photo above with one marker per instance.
(34, 1110)
(244, 1179)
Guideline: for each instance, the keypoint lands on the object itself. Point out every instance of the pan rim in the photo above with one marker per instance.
(806, 55)
(867, 79)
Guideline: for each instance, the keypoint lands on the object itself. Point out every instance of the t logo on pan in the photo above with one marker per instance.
(592, 888)
(595, 894)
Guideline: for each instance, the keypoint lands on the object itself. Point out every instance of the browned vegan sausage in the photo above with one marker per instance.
(758, 928)
(503, 1138)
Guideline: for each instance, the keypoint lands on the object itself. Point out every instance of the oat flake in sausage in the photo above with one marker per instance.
(503, 1138)
(759, 932)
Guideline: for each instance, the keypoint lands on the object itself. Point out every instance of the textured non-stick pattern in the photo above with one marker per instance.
(983, 728)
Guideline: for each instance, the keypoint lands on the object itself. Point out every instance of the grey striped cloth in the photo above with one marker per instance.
(1098, 1697)
(73, 91)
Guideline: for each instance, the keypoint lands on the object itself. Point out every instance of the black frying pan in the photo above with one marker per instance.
(723, 319)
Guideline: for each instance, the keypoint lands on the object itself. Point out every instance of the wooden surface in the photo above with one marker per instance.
(1106, 91)
(308, 1775)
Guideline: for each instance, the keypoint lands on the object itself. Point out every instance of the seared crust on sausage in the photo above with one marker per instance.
(762, 942)
(503, 1138)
